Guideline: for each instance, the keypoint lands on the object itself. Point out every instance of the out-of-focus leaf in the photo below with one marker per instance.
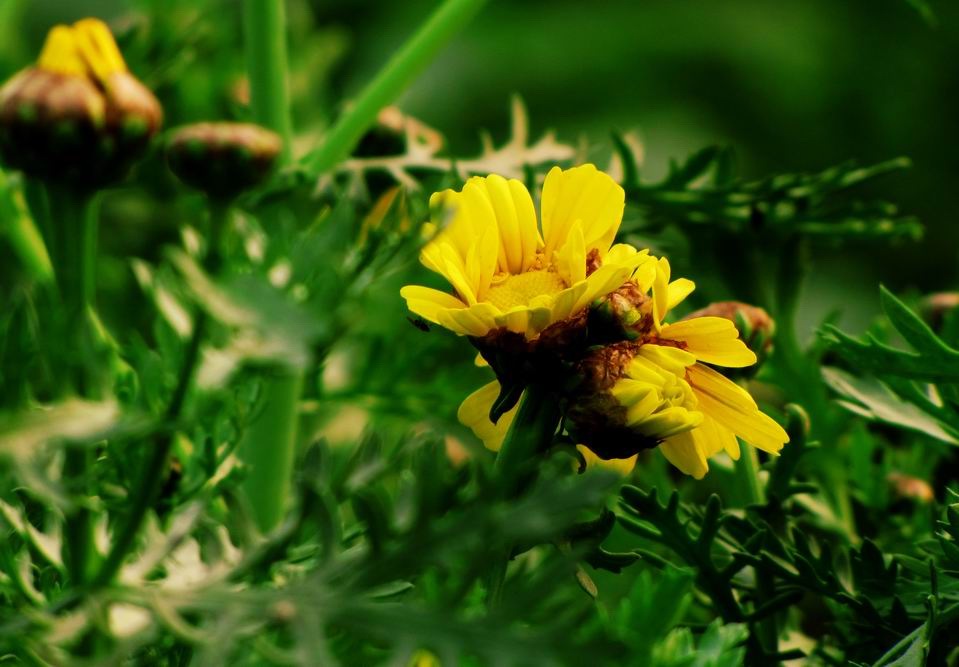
(933, 360)
(268, 326)
(74, 420)
(870, 398)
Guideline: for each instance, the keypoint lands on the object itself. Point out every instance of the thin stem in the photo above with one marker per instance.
(804, 380)
(398, 73)
(264, 24)
(747, 473)
(530, 434)
(154, 471)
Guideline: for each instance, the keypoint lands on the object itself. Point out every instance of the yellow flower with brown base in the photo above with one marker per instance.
(649, 385)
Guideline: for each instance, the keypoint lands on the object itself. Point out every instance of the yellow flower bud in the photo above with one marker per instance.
(78, 115)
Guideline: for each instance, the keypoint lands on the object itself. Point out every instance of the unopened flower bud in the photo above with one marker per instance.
(909, 487)
(935, 307)
(624, 314)
(78, 115)
(223, 159)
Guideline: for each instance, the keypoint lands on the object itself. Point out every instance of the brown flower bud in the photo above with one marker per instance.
(223, 159)
(935, 307)
(78, 115)
(624, 314)
(913, 488)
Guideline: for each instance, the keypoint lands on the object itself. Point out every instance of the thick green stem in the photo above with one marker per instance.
(74, 216)
(268, 447)
(153, 474)
(530, 434)
(269, 443)
(264, 23)
(398, 73)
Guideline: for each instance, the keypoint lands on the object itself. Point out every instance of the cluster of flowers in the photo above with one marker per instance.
(561, 306)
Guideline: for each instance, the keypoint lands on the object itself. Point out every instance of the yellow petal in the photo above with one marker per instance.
(671, 359)
(661, 292)
(669, 422)
(582, 193)
(733, 408)
(477, 320)
(678, 291)
(512, 208)
(428, 303)
(474, 413)
(570, 259)
(466, 250)
(60, 53)
(684, 452)
(98, 48)
(714, 340)
(714, 438)
(621, 466)
(601, 282)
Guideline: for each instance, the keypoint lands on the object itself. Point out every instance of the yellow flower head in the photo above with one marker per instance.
(646, 383)
(509, 274)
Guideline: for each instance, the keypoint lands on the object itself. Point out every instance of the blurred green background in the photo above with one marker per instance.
(792, 85)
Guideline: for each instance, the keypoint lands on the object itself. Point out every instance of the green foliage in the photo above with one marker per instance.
(128, 530)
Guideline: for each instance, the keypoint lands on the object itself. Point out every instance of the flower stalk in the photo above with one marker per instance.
(530, 433)
(268, 445)
(73, 212)
(408, 62)
(266, 61)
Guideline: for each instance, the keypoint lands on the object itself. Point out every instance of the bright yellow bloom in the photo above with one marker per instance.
(650, 386)
(662, 394)
(506, 273)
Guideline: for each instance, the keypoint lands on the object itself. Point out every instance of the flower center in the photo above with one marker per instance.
(507, 291)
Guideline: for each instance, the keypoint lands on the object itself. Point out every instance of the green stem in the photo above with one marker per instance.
(74, 216)
(530, 434)
(268, 447)
(264, 24)
(153, 474)
(408, 62)
(747, 473)
(803, 378)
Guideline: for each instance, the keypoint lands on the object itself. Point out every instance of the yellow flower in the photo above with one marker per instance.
(640, 382)
(506, 273)
(655, 391)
